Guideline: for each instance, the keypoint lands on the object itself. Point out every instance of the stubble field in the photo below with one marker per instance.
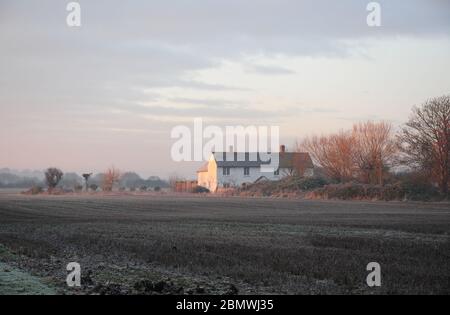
(165, 244)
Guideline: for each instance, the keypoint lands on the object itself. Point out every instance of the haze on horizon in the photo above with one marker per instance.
(109, 92)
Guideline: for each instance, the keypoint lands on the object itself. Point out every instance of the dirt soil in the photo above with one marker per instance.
(209, 245)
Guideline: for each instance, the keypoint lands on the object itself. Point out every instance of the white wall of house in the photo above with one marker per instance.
(237, 177)
(209, 179)
(214, 178)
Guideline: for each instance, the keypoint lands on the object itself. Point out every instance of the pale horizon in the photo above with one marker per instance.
(109, 92)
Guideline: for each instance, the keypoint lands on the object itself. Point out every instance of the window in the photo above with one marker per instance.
(246, 171)
(277, 172)
(226, 171)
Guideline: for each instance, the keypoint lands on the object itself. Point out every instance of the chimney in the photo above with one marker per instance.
(282, 148)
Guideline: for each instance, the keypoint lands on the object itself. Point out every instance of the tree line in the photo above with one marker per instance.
(371, 151)
(111, 179)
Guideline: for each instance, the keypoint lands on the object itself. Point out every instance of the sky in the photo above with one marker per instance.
(108, 93)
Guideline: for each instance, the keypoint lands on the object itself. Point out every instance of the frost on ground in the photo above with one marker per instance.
(213, 245)
(15, 282)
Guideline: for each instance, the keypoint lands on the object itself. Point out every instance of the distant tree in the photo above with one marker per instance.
(334, 153)
(52, 177)
(8, 180)
(110, 178)
(70, 180)
(363, 154)
(97, 179)
(130, 179)
(155, 181)
(425, 140)
(86, 177)
(374, 150)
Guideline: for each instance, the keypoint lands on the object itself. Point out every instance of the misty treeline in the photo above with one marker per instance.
(54, 178)
(373, 153)
(9, 179)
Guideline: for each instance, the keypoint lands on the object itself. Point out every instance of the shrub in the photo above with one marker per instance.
(393, 192)
(143, 188)
(397, 191)
(35, 190)
(157, 188)
(401, 187)
(421, 191)
(348, 191)
(78, 188)
(93, 187)
(291, 185)
(311, 183)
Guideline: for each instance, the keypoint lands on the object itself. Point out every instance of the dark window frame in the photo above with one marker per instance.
(226, 171)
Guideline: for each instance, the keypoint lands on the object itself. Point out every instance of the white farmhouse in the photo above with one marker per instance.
(233, 169)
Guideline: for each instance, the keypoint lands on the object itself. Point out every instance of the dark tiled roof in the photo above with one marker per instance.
(286, 160)
(298, 159)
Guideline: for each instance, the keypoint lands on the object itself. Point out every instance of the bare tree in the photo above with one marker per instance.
(53, 177)
(110, 178)
(425, 140)
(86, 180)
(334, 153)
(374, 150)
(364, 153)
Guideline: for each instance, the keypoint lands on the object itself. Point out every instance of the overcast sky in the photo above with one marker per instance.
(109, 92)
